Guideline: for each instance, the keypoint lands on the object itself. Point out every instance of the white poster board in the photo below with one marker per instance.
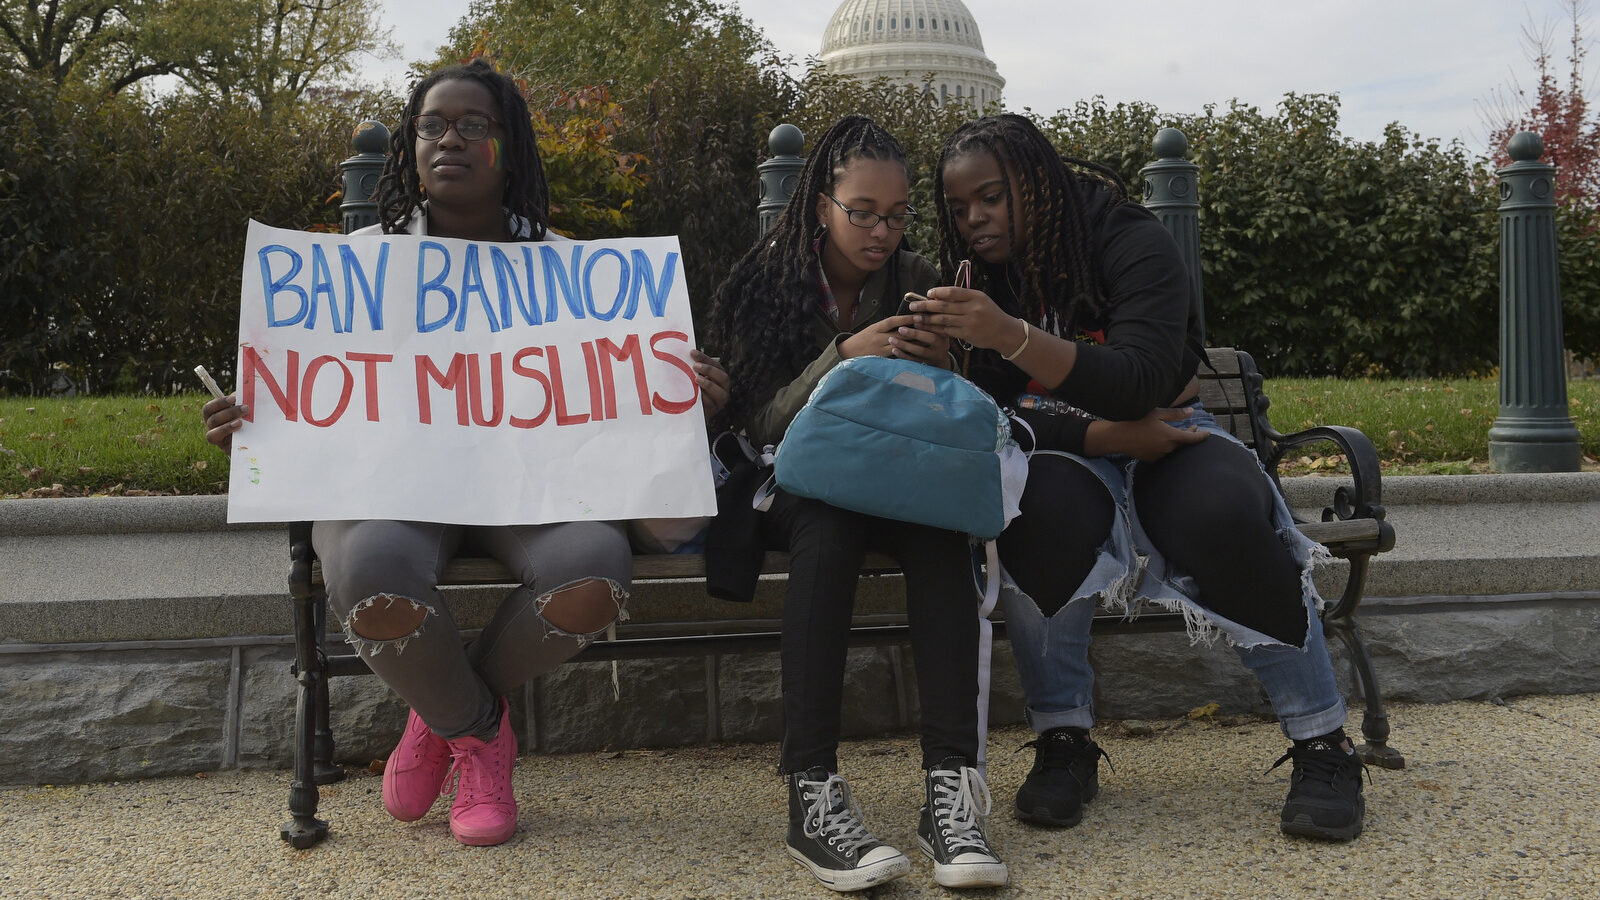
(441, 380)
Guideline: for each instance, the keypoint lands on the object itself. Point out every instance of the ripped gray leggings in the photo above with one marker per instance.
(452, 687)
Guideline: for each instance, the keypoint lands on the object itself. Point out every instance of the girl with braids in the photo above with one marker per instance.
(822, 286)
(1080, 305)
(463, 164)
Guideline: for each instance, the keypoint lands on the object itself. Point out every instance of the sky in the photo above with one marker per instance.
(1435, 66)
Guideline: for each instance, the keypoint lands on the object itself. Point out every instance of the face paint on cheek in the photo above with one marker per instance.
(493, 153)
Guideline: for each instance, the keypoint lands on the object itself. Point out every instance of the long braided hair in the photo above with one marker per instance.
(1055, 262)
(527, 194)
(760, 321)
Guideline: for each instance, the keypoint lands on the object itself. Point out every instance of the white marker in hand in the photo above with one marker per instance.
(210, 383)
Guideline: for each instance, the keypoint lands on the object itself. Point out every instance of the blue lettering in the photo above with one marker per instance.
(529, 310)
(272, 287)
(322, 283)
(644, 276)
(622, 284)
(505, 282)
(373, 296)
(472, 283)
(554, 273)
(434, 285)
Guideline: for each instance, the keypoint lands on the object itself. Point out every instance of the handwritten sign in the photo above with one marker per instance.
(441, 380)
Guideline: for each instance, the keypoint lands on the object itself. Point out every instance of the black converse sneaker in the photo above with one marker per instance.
(827, 836)
(1065, 775)
(1324, 789)
(949, 831)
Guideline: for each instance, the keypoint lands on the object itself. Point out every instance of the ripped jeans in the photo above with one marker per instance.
(390, 570)
(1071, 548)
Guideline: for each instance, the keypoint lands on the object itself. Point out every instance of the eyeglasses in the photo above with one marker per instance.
(864, 219)
(471, 127)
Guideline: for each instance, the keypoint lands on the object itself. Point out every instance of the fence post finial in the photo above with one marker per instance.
(360, 175)
(1172, 192)
(780, 174)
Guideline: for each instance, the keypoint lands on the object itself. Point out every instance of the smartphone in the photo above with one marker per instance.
(905, 304)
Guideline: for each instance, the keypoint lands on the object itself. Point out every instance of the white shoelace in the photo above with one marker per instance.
(841, 827)
(960, 799)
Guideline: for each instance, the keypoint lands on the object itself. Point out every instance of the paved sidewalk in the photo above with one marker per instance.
(1497, 801)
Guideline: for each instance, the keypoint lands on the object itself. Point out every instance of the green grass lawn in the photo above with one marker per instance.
(107, 445)
(154, 445)
(1419, 426)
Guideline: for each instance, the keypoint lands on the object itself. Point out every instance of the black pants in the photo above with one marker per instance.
(826, 545)
(1206, 507)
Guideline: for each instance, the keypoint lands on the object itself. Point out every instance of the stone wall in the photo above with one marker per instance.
(145, 636)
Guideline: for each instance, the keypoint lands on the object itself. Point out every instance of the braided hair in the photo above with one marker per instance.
(1055, 262)
(761, 313)
(527, 194)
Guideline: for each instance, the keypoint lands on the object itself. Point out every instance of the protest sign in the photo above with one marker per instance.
(441, 380)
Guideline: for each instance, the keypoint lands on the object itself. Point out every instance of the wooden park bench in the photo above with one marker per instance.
(1352, 524)
(1352, 528)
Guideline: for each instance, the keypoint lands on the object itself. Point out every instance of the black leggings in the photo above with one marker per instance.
(1206, 507)
(826, 545)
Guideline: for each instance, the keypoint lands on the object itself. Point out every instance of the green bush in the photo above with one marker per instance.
(1324, 255)
(121, 226)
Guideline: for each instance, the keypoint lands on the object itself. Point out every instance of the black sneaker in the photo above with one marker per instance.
(949, 831)
(1324, 789)
(1065, 775)
(826, 835)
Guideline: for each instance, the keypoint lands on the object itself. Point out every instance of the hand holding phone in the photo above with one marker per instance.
(905, 304)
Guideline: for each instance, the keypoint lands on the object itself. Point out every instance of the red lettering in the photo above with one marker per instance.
(369, 377)
(306, 391)
(536, 375)
(559, 388)
(671, 407)
(496, 385)
(453, 378)
(286, 397)
(629, 349)
(591, 366)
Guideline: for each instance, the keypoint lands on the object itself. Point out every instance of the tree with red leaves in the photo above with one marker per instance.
(1558, 113)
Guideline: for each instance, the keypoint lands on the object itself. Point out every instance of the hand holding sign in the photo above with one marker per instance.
(499, 383)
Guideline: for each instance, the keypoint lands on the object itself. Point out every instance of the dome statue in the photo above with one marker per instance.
(905, 40)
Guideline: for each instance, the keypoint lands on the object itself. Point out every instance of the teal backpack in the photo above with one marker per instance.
(906, 441)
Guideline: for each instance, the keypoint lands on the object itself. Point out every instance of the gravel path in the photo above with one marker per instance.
(1497, 801)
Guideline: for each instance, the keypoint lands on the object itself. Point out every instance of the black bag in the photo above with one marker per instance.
(734, 550)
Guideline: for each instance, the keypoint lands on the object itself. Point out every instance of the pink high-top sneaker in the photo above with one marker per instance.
(415, 771)
(484, 812)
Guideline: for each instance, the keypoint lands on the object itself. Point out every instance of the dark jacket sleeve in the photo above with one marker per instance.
(1146, 287)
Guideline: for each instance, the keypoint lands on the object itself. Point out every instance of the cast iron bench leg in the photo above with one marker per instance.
(1375, 721)
(305, 829)
(324, 770)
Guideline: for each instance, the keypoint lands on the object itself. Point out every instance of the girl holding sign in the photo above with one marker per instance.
(1081, 303)
(464, 164)
(822, 286)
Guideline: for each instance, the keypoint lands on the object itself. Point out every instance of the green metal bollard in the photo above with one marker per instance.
(1172, 192)
(780, 174)
(360, 175)
(1535, 431)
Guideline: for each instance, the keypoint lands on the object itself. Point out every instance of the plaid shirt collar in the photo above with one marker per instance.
(825, 298)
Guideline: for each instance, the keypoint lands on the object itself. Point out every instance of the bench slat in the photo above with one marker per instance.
(667, 566)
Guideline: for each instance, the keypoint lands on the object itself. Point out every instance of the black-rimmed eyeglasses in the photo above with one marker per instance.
(862, 218)
(471, 127)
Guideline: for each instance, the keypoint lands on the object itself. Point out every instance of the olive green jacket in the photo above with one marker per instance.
(880, 298)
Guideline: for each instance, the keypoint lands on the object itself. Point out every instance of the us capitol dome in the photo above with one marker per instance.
(905, 40)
